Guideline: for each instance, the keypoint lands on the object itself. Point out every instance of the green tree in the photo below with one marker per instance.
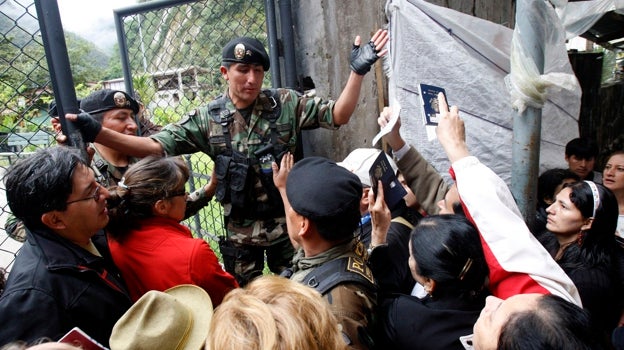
(88, 63)
(114, 69)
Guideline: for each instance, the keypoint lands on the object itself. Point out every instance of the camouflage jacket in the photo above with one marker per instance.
(198, 131)
(105, 172)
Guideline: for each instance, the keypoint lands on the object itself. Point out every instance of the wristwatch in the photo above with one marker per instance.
(371, 248)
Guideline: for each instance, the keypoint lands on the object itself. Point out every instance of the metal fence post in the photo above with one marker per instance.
(528, 124)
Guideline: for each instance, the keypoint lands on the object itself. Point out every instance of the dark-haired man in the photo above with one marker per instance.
(118, 111)
(580, 154)
(243, 131)
(64, 276)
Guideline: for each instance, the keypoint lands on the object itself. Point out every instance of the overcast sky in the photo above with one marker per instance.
(92, 19)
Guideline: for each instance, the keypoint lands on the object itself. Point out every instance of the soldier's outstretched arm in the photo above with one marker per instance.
(362, 59)
(135, 146)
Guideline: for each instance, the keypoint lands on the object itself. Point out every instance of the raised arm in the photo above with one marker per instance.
(362, 58)
(518, 263)
(422, 178)
(280, 175)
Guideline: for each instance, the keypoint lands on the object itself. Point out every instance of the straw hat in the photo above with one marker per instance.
(175, 319)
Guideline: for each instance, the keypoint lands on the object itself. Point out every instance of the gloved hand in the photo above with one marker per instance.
(89, 127)
(363, 57)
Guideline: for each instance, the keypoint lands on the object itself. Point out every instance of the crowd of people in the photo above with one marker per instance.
(451, 266)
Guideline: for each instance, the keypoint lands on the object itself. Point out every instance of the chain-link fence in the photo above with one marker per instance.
(25, 92)
(174, 55)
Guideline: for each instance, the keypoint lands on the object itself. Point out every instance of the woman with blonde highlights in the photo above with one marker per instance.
(274, 313)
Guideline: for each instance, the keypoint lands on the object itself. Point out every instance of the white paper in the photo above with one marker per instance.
(396, 111)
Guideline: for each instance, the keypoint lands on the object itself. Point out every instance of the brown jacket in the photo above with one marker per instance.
(424, 180)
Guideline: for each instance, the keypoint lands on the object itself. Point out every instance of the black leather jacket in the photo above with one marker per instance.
(55, 285)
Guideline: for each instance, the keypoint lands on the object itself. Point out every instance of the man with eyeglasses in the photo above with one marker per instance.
(63, 276)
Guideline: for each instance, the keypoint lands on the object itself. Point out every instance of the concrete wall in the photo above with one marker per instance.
(324, 32)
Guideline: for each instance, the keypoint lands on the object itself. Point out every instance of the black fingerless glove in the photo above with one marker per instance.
(89, 127)
(362, 58)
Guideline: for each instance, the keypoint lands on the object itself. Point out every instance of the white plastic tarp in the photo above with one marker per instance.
(578, 17)
(469, 58)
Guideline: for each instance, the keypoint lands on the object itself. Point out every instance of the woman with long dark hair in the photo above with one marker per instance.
(581, 225)
(447, 259)
(534, 305)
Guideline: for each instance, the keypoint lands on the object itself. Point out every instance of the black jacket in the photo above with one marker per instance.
(55, 285)
(389, 263)
(407, 322)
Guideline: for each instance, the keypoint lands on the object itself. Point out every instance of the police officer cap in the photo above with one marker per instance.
(318, 188)
(246, 50)
(107, 99)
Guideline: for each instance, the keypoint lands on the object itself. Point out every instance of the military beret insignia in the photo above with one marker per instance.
(120, 99)
(239, 51)
(107, 99)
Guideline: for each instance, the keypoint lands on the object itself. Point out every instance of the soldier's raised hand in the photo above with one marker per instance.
(363, 57)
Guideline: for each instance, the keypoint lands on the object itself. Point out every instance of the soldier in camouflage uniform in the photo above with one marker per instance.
(244, 131)
(116, 110)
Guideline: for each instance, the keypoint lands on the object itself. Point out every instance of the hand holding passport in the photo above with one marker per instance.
(382, 170)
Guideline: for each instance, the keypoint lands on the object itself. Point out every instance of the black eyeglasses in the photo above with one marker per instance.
(95, 196)
(181, 192)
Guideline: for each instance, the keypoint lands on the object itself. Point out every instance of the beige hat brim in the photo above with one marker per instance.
(199, 303)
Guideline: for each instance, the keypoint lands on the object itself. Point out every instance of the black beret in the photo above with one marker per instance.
(107, 99)
(318, 188)
(53, 110)
(246, 50)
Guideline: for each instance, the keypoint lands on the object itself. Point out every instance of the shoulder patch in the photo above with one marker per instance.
(100, 164)
(359, 267)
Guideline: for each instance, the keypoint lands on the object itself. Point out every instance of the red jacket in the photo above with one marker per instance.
(162, 254)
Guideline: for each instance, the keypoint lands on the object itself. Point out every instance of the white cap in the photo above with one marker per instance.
(359, 162)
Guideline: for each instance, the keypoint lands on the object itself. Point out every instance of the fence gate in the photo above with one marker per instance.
(170, 50)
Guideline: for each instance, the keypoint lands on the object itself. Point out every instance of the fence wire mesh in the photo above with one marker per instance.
(174, 56)
(24, 94)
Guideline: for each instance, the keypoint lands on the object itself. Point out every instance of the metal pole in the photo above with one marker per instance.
(269, 11)
(119, 15)
(61, 77)
(123, 53)
(290, 66)
(527, 125)
(142, 44)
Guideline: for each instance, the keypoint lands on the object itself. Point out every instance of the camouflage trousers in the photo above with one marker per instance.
(246, 262)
